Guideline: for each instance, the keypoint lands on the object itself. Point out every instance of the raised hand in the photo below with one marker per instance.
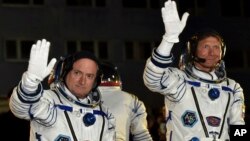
(38, 67)
(38, 63)
(173, 25)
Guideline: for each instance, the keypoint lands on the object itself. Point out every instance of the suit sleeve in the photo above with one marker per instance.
(139, 126)
(33, 106)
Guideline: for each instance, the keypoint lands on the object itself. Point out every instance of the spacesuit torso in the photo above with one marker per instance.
(199, 108)
(129, 112)
(47, 111)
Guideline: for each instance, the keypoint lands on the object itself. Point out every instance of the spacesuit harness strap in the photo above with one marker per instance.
(199, 112)
(198, 84)
(80, 111)
(88, 119)
(68, 120)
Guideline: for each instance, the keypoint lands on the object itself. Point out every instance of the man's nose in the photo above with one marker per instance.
(211, 50)
(82, 79)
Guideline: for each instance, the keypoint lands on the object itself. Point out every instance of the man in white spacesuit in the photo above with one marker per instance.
(129, 111)
(201, 100)
(71, 109)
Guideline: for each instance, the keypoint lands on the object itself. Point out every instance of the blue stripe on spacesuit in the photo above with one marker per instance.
(70, 109)
(29, 98)
(65, 108)
(160, 64)
(50, 120)
(198, 84)
(30, 114)
(156, 59)
(161, 57)
(227, 89)
(151, 76)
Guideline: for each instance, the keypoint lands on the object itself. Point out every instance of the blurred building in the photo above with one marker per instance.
(121, 31)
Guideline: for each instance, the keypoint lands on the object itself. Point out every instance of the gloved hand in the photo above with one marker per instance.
(38, 68)
(173, 25)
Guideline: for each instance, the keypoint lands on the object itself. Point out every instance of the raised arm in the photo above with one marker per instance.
(173, 27)
(29, 90)
(38, 67)
(157, 76)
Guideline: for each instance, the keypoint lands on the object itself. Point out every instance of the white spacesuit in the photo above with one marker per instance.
(56, 114)
(192, 113)
(202, 105)
(129, 111)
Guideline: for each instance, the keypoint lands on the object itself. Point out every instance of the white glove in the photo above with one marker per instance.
(38, 67)
(173, 25)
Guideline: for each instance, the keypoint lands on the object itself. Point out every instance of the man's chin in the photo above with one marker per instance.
(81, 94)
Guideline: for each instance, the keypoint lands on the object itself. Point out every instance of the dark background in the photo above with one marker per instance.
(116, 22)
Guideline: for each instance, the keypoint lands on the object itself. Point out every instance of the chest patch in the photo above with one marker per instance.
(62, 138)
(213, 121)
(189, 118)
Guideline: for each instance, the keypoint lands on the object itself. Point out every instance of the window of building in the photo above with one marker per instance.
(25, 47)
(99, 48)
(138, 50)
(11, 49)
(129, 50)
(86, 3)
(154, 4)
(17, 50)
(79, 2)
(88, 45)
(23, 2)
(103, 50)
(134, 3)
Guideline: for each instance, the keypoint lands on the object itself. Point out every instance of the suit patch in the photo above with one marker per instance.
(189, 118)
(63, 138)
(213, 121)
